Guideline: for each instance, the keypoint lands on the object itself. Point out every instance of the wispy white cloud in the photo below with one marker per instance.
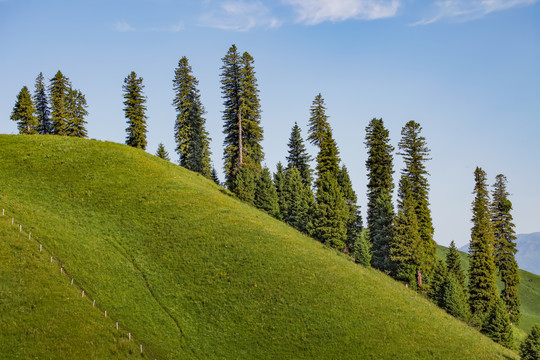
(176, 28)
(123, 26)
(314, 12)
(239, 16)
(466, 10)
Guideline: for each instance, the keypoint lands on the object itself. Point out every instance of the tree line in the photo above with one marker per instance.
(321, 202)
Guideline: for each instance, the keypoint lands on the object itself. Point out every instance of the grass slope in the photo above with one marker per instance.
(529, 292)
(194, 273)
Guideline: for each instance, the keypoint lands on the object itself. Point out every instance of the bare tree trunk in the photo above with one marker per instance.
(240, 148)
(419, 278)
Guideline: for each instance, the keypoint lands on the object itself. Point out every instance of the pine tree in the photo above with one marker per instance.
(244, 185)
(279, 182)
(43, 113)
(498, 326)
(162, 153)
(191, 136)
(328, 157)
(76, 111)
(266, 197)
(439, 277)
(135, 110)
(362, 248)
(405, 245)
(379, 171)
(243, 133)
(530, 347)
(453, 264)
(383, 232)
(505, 247)
(23, 113)
(330, 212)
(318, 121)
(482, 290)
(298, 201)
(214, 176)
(453, 299)
(298, 157)
(354, 219)
(415, 153)
(59, 89)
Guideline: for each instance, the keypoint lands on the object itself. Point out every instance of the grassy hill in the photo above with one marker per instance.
(529, 292)
(194, 273)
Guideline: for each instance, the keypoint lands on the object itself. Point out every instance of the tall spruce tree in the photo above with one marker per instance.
(330, 210)
(189, 130)
(242, 129)
(244, 184)
(482, 290)
(362, 248)
(76, 111)
(298, 201)
(530, 347)
(453, 264)
(505, 247)
(298, 156)
(318, 121)
(279, 182)
(162, 153)
(327, 158)
(498, 326)
(135, 111)
(58, 91)
(266, 197)
(43, 114)
(415, 153)
(454, 300)
(354, 219)
(23, 113)
(380, 186)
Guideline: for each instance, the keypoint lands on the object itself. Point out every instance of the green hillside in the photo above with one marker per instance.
(529, 292)
(194, 273)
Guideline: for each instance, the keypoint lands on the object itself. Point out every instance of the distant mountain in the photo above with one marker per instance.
(528, 255)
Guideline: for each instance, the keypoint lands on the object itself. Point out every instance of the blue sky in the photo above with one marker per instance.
(467, 71)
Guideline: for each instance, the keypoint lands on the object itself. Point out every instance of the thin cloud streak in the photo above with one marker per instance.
(239, 16)
(123, 26)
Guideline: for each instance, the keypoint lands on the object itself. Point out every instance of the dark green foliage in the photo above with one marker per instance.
(189, 130)
(265, 194)
(497, 326)
(242, 129)
(482, 290)
(454, 300)
(330, 213)
(298, 157)
(214, 176)
(328, 157)
(505, 247)
(379, 171)
(383, 232)
(453, 264)
(298, 201)
(76, 111)
(58, 91)
(244, 185)
(23, 113)
(354, 219)
(135, 110)
(43, 114)
(362, 248)
(415, 153)
(279, 182)
(530, 348)
(162, 153)
(405, 250)
(318, 121)
(438, 278)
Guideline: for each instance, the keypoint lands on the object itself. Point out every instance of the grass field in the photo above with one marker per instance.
(194, 273)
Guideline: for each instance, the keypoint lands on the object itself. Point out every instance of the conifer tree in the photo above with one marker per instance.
(330, 211)
(505, 247)
(298, 156)
(76, 111)
(43, 113)
(404, 248)
(244, 185)
(135, 111)
(58, 91)
(453, 299)
(162, 153)
(453, 264)
(354, 219)
(318, 121)
(383, 232)
(191, 136)
(279, 183)
(23, 113)
(530, 348)
(362, 248)
(298, 201)
(379, 171)
(482, 290)
(415, 153)
(498, 326)
(328, 157)
(214, 176)
(266, 197)
(439, 277)
(243, 133)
